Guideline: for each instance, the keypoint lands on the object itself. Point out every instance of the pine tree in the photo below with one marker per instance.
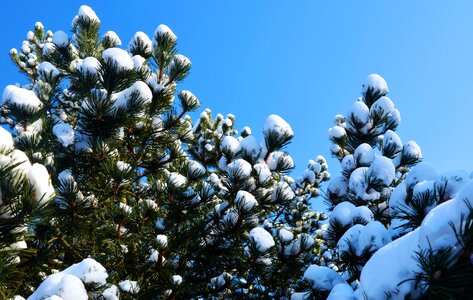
(384, 238)
(109, 190)
(127, 195)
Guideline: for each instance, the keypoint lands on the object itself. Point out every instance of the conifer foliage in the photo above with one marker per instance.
(397, 229)
(109, 190)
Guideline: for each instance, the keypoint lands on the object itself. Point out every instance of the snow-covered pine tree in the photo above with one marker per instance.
(385, 238)
(141, 203)
(373, 161)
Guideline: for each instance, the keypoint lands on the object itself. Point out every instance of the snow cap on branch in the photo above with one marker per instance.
(60, 39)
(14, 95)
(119, 57)
(87, 14)
(376, 84)
(276, 124)
(262, 239)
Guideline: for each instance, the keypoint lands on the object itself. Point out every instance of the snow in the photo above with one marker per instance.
(231, 218)
(282, 192)
(179, 60)
(341, 291)
(322, 278)
(88, 13)
(392, 140)
(382, 107)
(39, 26)
(119, 57)
(394, 118)
(129, 286)
(139, 88)
(209, 147)
(246, 200)
(64, 133)
(426, 186)
(300, 296)
(112, 37)
(221, 207)
(435, 232)
(245, 131)
(350, 237)
(6, 140)
(360, 113)
(88, 65)
(348, 163)
(240, 168)
(48, 48)
(46, 69)
(64, 286)
(309, 176)
(189, 98)
(420, 172)
(65, 176)
(375, 283)
(43, 190)
(196, 168)
(262, 239)
(69, 283)
(360, 187)
(223, 163)
(277, 159)
(81, 141)
(381, 171)
(163, 30)
(250, 146)
(345, 212)
(220, 280)
(138, 62)
(315, 166)
(364, 213)
(60, 39)
(230, 146)
(305, 241)
(16, 246)
(177, 180)
(154, 255)
(398, 198)
(125, 208)
(23, 163)
(264, 173)
(451, 183)
(21, 97)
(278, 126)
(377, 84)
(140, 38)
(162, 240)
(373, 236)
(338, 186)
(111, 293)
(123, 166)
(411, 150)
(337, 132)
(177, 279)
(285, 236)
(363, 155)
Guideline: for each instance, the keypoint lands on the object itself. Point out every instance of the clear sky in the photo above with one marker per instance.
(302, 60)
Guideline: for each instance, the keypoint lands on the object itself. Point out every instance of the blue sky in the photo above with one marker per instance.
(302, 60)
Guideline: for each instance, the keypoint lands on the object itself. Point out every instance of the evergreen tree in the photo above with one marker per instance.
(103, 175)
(141, 202)
(384, 239)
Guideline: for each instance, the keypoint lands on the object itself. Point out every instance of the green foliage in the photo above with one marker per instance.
(129, 169)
